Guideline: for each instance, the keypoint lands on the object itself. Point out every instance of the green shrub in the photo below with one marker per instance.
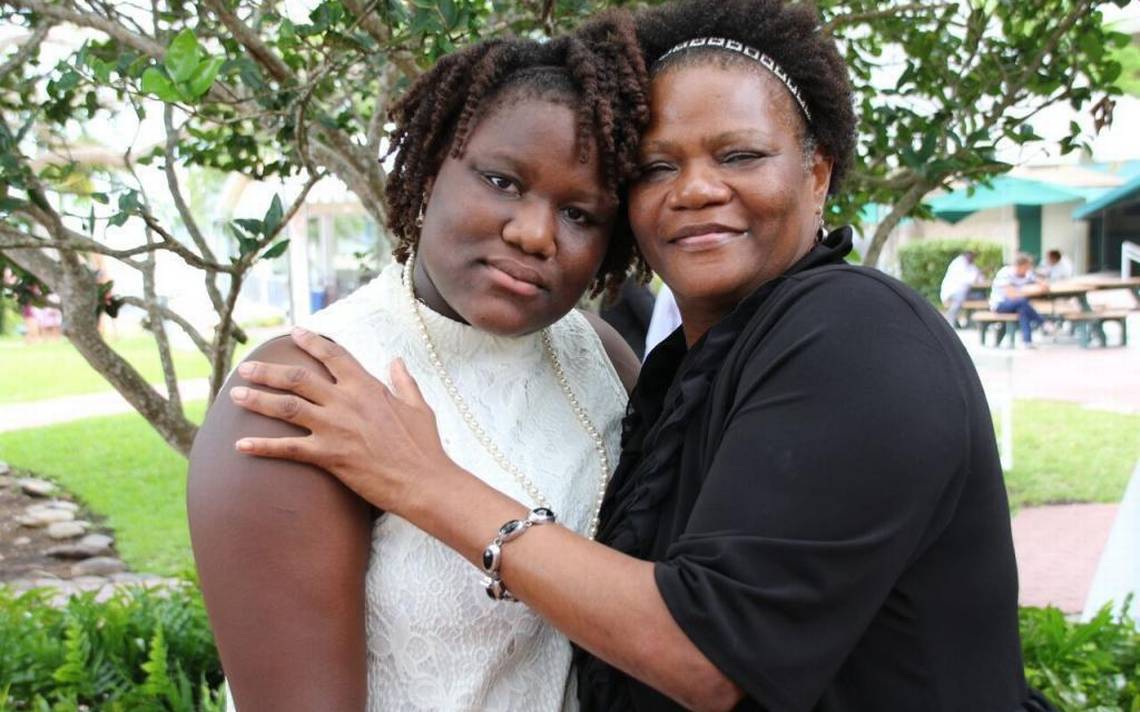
(1083, 666)
(923, 264)
(140, 650)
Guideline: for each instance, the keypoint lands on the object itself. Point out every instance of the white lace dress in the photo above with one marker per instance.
(435, 640)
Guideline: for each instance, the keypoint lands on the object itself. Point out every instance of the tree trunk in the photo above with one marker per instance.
(899, 211)
(78, 292)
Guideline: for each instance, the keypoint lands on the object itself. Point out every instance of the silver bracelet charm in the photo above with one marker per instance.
(493, 554)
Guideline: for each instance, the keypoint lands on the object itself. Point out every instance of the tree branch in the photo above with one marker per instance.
(864, 17)
(1012, 93)
(170, 315)
(86, 19)
(26, 50)
(258, 49)
(183, 209)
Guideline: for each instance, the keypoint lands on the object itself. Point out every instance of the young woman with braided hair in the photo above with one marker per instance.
(509, 159)
(809, 511)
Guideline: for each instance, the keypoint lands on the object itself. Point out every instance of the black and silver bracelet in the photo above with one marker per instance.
(493, 554)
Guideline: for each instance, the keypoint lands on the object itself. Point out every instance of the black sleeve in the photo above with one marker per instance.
(840, 456)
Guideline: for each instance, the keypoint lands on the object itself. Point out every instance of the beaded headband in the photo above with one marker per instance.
(750, 52)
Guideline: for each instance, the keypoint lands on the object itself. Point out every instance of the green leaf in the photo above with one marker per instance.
(247, 245)
(249, 226)
(68, 80)
(273, 216)
(276, 251)
(183, 55)
(129, 201)
(156, 83)
(203, 77)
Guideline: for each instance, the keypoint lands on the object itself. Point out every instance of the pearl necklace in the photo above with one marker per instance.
(481, 435)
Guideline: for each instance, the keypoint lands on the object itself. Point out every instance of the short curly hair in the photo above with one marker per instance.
(597, 71)
(788, 33)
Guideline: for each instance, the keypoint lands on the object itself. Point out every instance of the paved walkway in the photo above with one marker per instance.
(18, 416)
(1058, 550)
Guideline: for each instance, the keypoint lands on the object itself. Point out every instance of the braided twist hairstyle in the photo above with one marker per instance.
(597, 71)
(790, 34)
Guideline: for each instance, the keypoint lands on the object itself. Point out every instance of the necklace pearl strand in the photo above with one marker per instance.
(481, 435)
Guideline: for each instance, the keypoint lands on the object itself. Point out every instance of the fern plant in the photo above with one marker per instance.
(140, 650)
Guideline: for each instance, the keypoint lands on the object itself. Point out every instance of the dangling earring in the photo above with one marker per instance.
(420, 217)
(821, 230)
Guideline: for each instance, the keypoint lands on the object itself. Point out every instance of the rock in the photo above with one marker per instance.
(66, 530)
(99, 566)
(37, 488)
(60, 504)
(88, 583)
(97, 544)
(37, 516)
(5, 469)
(22, 541)
(68, 551)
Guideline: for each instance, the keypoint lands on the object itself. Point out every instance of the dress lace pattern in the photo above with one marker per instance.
(435, 640)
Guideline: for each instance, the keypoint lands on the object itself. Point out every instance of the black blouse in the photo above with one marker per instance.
(818, 483)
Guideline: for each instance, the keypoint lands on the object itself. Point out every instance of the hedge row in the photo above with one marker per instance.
(923, 264)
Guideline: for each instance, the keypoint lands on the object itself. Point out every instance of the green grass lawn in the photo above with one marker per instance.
(49, 370)
(122, 470)
(1064, 453)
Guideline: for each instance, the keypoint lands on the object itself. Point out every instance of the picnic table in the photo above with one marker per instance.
(1085, 322)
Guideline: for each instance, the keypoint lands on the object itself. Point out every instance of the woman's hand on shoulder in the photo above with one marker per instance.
(380, 442)
(622, 357)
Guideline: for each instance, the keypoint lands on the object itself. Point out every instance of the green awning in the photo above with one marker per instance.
(1126, 192)
(1004, 190)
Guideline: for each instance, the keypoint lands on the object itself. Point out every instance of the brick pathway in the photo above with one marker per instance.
(1058, 549)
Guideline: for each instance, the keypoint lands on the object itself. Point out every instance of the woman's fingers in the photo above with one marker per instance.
(335, 357)
(295, 379)
(296, 449)
(404, 386)
(289, 408)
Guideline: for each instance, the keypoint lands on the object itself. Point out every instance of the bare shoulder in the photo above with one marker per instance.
(282, 550)
(621, 355)
(241, 486)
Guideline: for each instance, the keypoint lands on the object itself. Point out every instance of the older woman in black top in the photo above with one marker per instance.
(809, 511)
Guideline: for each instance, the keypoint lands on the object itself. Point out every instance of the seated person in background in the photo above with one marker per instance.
(1013, 287)
(1055, 266)
(960, 276)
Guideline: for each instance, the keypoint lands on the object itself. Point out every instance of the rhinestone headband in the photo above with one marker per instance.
(750, 52)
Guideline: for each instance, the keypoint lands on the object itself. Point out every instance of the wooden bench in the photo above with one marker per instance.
(986, 319)
(969, 308)
(1090, 325)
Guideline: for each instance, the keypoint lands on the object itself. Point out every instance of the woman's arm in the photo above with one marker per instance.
(282, 550)
(605, 601)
